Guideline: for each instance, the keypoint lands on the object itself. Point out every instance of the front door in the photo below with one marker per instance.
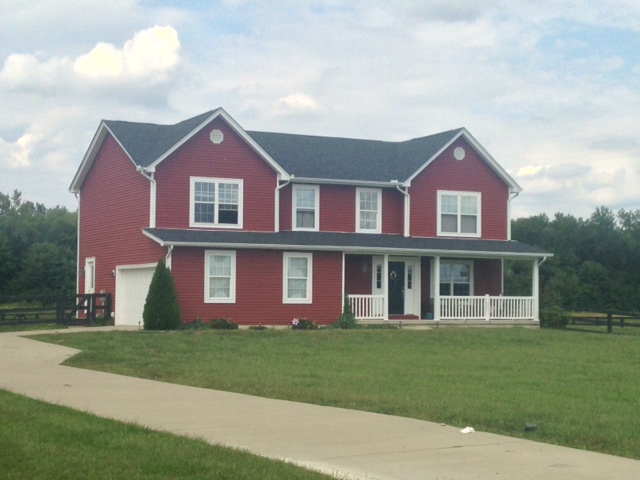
(396, 288)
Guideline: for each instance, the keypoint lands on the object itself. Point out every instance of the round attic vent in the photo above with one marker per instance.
(216, 136)
(459, 153)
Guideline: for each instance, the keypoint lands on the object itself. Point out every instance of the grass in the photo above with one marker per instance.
(29, 327)
(42, 441)
(581, 390)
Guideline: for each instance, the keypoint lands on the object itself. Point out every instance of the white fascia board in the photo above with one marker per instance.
(220, 112)
(351, 250)
(502, 173)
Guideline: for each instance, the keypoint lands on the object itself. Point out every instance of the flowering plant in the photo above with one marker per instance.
(303, 324)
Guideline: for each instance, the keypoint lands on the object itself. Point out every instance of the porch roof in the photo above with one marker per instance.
(345, 242)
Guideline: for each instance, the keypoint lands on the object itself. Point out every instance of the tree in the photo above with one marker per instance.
(161, 308)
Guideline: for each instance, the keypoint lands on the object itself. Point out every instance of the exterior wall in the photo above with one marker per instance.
(357, 274)
(233, 158)
(258, 288)
(338, 209)
(469, 175)
(114, 207)
(487, 277)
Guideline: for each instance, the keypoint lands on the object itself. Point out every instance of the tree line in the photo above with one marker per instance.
(596, 262)
(37, 247)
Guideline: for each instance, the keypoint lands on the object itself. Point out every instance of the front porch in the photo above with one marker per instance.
(433, 290)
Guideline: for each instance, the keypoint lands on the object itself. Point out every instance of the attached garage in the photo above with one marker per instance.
(132, 286)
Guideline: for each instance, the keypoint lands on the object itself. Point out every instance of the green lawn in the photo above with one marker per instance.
(581, 389)
(48, 442)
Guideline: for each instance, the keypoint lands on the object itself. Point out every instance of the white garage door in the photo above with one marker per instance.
(132, 286)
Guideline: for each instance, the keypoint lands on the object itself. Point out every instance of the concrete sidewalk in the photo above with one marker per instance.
(349, 443)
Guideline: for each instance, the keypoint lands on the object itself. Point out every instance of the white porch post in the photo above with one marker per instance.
(385, 289)
(436, 288)
(536, 291)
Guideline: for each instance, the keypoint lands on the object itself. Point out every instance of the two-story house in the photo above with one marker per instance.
(262, 227)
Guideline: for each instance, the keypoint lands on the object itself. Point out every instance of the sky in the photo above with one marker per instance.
(551, 89)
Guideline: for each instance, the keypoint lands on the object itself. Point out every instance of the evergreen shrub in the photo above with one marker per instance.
(554, 317)
(347, 319)
(161, 308)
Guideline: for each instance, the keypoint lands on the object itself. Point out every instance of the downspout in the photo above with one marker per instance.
(169, 256)
(152, 194)
(407, 207)
(279, 187)
(515, 194)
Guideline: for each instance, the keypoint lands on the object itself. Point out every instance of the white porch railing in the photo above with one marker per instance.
(487, 308)
(367, 307)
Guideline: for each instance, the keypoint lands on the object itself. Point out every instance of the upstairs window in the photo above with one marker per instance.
(459, 214)
(216, 202)
(368, 210)
(306, 206)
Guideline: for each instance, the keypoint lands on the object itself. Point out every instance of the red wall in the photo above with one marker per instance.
(469, 175)
(258, 288)
(338, 209)
(114, 207)
(487, 277)
(357, 275)
(233, 158)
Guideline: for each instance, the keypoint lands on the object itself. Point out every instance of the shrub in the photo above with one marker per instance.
(303, 324)
(198, 324)
(161, 308)
(554, 317)
(347, 319)
(258, 327)
(223, 324)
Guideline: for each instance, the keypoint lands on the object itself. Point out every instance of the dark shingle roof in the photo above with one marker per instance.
(146, 142)
(350, 159)
(345, 242)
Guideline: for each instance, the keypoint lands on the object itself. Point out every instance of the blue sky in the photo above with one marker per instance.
(551, 89)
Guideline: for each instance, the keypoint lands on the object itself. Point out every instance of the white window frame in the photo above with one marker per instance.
(207, 277)
(217, 182)
(468, 264)
(286, 256)
(460, 195)
(378, 227)
(294, 207)
(90, 275)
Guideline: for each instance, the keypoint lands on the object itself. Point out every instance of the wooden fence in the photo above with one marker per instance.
(608, 319)
(79, 309)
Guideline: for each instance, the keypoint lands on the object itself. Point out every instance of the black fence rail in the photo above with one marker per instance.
(608, 319)
(78, 309)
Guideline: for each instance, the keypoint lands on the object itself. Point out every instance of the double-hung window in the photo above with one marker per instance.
(368, 210)
(455, 278)
(220, 276)
(306, 207)
(215, 202)
(459, 214)
(297, 277)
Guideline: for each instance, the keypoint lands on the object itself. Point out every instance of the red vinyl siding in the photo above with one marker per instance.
(472, 174)
(114, 207)
(258, 288)
(392, 212)
(487, 277)
(234, 159)
(357, 274)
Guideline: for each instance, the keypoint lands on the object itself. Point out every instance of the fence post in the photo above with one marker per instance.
(609, 322)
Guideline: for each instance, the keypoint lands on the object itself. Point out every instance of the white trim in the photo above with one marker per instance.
(232, 276)
(90, 275)
(378, 192)
(459, 195)
(294, 207)
(286, 256)
(217, 182)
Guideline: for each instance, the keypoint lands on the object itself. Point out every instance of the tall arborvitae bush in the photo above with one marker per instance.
(161, 309)
(347, 320)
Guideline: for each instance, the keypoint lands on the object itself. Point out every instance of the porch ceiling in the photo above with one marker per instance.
(345, 242)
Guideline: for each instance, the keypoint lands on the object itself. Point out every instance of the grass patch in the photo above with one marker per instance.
(49, 442)
(581, 390)
(29, 327)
